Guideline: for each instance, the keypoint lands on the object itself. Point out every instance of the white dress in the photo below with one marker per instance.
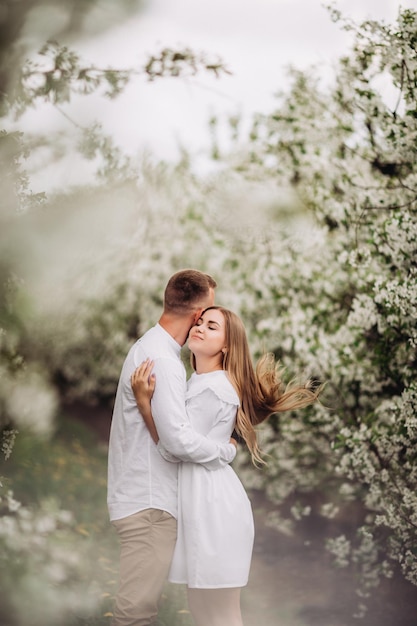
(215, 520)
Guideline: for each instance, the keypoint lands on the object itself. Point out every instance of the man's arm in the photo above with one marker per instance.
(175, 432)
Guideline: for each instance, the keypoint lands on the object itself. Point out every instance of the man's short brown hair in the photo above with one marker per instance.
(187, 290)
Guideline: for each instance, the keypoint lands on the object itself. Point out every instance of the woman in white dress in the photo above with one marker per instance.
(215, 522)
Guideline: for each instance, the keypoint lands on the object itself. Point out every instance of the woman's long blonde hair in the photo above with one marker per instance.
(261, 390)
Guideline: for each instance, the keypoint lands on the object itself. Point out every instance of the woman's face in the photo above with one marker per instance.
(208, 337)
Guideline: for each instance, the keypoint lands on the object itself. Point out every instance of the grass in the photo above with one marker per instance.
(70, 470)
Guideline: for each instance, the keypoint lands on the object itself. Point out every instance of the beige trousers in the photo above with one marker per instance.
(147, 541)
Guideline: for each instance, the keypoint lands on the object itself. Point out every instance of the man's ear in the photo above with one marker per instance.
(197, 315)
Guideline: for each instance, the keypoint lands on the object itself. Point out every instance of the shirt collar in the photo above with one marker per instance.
(170, 338)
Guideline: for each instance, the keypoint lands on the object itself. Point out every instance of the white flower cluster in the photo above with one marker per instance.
(8, 438)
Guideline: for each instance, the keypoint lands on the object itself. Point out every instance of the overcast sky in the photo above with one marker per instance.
(257, 39)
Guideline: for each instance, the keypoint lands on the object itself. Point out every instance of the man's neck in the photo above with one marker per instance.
(177, 327)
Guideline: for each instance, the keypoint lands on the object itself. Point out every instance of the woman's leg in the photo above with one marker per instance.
(215, 607)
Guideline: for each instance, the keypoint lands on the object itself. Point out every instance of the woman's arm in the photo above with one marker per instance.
(143, 386)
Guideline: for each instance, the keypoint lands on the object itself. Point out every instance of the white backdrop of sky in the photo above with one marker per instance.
(257, 40)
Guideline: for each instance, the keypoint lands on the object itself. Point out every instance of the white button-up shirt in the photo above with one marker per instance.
(138, 476)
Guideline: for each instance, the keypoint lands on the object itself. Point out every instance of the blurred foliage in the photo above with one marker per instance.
(65, 479)
(102, 333)
(25, 24)
(57, 544)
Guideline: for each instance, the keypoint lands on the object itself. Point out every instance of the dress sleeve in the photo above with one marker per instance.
(176, 434)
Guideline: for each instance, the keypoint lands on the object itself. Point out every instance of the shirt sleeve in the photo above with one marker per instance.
(167, 455)
(175, 432)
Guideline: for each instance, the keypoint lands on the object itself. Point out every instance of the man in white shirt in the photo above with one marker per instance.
(142, 485)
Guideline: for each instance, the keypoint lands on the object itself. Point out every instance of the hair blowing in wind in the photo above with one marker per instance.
(261, 390)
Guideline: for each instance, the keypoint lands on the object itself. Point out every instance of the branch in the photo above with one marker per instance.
(60, 73)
